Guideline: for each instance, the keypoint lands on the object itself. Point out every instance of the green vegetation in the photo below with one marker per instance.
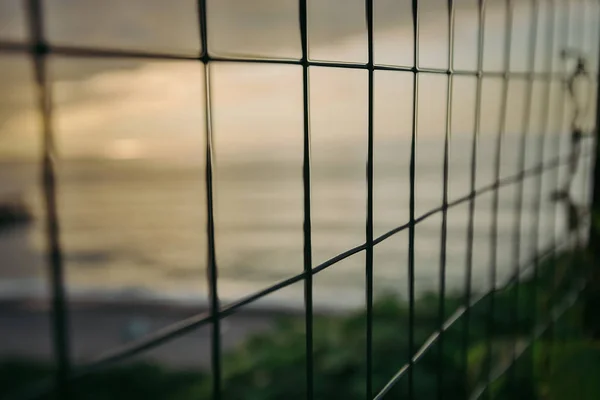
(272, 366)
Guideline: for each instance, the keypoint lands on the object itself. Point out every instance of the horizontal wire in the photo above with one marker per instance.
(76, 51)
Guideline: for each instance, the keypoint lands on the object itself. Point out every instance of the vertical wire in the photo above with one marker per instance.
(592, 118)
(520, 185)
(574, 156)
(584, 162)
(560, 112)
(588, 160)
(210, 222)
(580, 160)
(369, 225)
(593, 196)
(555, 174)
(307, 229)
(60, 321)
(444, 228)
(570, 155)
(537, 202)
(594, 234)
(411, 229)
(490, 323)
(473, 173)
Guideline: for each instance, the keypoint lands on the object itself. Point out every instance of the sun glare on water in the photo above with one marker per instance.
(124, 149)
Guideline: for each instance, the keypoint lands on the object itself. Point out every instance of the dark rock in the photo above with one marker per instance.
(13, 213)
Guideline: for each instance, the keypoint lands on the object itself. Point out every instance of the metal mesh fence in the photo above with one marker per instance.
(556, 29)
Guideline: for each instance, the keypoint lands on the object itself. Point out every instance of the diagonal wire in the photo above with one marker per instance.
(39, 50)
(194, 322)
(454, 318)
(569, 301)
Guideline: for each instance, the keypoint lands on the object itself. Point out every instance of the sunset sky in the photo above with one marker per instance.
(125, 109)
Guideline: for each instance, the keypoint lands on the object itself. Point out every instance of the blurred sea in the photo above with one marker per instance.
(133, 228)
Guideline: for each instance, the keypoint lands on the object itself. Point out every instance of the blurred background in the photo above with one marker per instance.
(130, 137)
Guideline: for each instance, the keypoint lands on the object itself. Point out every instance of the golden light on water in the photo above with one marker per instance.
(125, 149)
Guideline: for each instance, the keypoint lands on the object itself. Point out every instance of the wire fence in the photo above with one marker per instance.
(40, 49)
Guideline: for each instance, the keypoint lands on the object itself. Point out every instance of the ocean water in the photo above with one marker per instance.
(130, 138)
(133, 228)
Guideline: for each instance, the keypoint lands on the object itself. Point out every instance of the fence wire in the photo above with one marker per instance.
(40, 49)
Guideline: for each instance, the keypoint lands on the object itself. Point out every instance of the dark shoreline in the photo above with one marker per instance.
(99, 326)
